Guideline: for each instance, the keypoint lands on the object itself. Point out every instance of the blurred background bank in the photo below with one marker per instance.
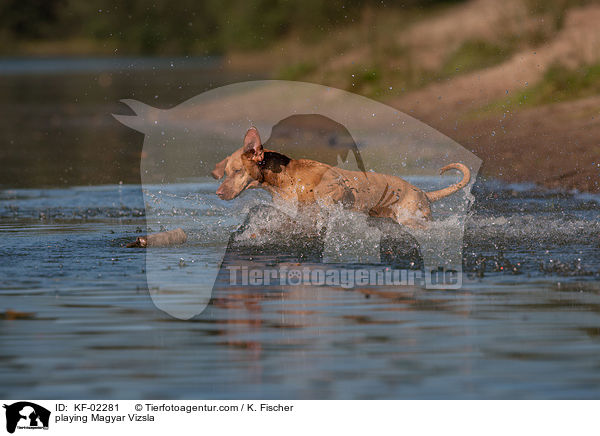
(517, 82)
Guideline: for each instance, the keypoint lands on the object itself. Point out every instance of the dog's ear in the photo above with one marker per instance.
(219, 170)
(253, 146)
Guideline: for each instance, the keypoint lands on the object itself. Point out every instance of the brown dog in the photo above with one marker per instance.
(309, 182)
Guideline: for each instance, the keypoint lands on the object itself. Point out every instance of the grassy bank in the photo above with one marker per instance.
(559, 84)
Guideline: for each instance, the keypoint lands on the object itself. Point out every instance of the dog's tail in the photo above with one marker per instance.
(439, 194)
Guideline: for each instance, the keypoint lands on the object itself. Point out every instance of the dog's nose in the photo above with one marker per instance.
(220, 192)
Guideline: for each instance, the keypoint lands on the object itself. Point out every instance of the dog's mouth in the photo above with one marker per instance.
(225, 194)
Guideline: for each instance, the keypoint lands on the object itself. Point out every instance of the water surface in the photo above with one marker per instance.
(77, 321)
(81, 323)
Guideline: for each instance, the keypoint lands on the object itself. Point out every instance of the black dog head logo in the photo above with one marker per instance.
(26, 414)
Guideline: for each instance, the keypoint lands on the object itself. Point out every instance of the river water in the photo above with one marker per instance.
(77, 321)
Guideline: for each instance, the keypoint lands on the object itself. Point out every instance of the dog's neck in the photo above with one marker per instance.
(290, 179)
(273, 169)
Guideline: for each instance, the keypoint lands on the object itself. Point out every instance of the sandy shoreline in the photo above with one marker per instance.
(414, 66)
(556, 146)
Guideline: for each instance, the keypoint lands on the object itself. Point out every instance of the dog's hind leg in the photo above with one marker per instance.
(414, 223)
(415, 219)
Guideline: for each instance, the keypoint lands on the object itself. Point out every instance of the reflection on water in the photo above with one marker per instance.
(56, 127)
(82, 324)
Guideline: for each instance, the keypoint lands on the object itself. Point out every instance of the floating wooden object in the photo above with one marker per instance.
(162, 239)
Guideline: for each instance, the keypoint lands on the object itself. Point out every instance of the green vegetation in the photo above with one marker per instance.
(475, 55)
(561, 84)
(174, 27)
(375, 80)
(359, 45)
(554, 9)
(366, 80)
(296, 71)
(558, 84)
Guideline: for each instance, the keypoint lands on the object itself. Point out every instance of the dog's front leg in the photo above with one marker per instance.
(349, 239)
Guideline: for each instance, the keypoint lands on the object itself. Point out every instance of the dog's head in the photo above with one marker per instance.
(241, 169)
